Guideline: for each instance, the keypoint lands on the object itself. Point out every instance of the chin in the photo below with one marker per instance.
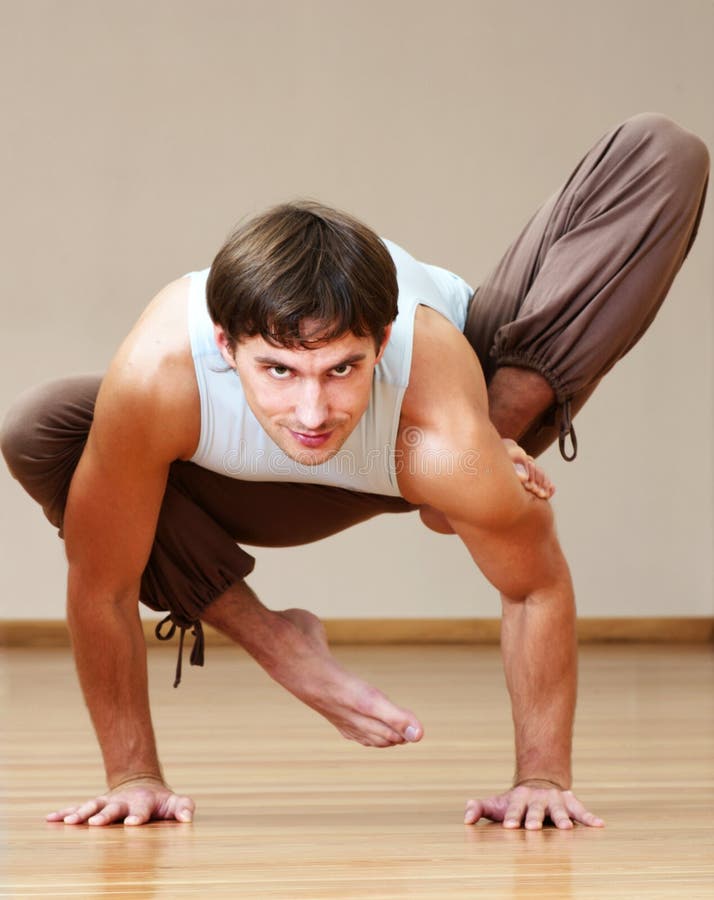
(310, 457)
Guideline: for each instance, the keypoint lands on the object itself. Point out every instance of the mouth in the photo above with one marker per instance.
(311, 440)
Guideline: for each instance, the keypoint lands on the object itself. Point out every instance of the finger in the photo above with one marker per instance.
(515, 811)
(60, 814)
(538, 477)
(559, 816)
(82, 813)
(535, 815)
(184, 809)
(578, 812)
(112, 812)
(492, 808)
(537, 489)
(474, 811)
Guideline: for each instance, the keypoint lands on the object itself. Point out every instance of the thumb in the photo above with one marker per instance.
(184, 809)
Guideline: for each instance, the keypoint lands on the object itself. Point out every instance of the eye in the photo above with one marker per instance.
(342, 371)
(282, 373)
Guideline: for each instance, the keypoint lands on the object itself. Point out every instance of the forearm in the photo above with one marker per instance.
(110, 655)
(539, 650)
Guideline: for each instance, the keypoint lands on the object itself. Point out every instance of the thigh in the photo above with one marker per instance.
(205, 518)
(195, 555)
(278, 514)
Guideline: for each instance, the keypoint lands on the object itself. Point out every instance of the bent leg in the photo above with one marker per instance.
(43, 436)
(195, 556)
(292, 648)
(587, 275)
(196, 570)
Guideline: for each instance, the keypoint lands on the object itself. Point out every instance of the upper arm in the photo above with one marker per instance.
(114, 498)
(519, 558)
(450, 455)
(466, 474)
(453, 459)
(118, 486)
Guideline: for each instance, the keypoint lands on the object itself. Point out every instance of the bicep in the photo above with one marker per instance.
(114, 500)
(508, 531)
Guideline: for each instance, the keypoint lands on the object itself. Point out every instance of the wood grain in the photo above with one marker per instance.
(288, 809)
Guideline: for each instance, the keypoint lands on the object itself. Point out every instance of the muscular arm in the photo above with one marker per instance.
(523, 559)
(109, 526)
(460, 468)
(511, 536)
(539, 651)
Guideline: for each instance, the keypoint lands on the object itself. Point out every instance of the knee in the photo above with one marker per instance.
(679, 157)
(44, 421)
(16, 434)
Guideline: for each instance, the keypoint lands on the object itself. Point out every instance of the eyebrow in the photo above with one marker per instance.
(347, 361)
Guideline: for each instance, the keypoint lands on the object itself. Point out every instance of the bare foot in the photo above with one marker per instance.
(359, 711)
(292, 648)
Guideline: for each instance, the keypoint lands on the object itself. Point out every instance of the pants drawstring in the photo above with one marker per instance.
(199, 646)
(566, 428)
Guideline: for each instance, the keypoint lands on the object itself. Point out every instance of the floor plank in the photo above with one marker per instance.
(288, 809)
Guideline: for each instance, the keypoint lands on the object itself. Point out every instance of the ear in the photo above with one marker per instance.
(385, 341)
(223, 345)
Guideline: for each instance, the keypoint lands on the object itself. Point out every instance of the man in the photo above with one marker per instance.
(342, 409)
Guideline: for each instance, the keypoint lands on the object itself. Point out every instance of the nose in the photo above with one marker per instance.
(312, 407)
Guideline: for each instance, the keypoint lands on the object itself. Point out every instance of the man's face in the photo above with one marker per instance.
(307, 401)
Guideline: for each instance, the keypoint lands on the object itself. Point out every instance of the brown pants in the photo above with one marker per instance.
(572, 295)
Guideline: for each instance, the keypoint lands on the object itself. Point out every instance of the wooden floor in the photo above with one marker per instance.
(288, 809)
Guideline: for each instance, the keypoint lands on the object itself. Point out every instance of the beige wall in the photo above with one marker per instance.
(137, 133)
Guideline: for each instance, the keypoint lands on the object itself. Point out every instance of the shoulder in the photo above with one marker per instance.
(449, 455)
(150, 391)
(446, 383)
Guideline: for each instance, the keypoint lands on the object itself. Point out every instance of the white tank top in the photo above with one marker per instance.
(233, 442)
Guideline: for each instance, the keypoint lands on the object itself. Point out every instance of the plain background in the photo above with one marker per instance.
(136, 134)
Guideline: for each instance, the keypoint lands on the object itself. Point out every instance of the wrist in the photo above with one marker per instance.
(135, 777)
(538, 781)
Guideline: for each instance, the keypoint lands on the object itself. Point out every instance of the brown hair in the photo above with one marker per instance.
(302, 261)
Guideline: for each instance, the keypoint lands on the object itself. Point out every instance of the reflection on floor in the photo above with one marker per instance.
(288, 809)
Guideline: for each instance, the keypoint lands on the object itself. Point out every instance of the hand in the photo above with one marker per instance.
(532, 476)
(133, 802)
(530, 803)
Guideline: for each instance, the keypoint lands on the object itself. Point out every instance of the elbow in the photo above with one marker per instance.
(91, 594)
(546, 577)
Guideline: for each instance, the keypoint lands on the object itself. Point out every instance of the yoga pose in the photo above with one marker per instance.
(317, 376)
